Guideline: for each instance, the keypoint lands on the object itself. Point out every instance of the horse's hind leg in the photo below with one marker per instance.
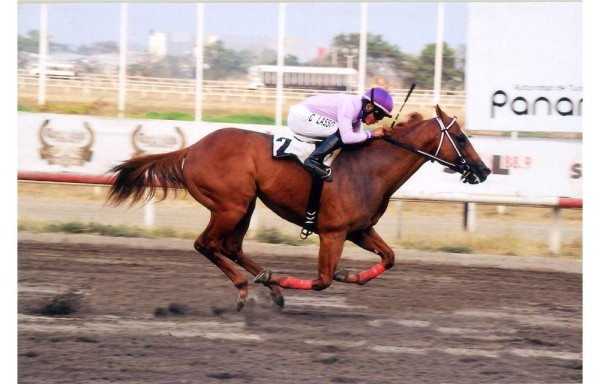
(221, 243)
(212, 243)
(235, 253)
(371, 241)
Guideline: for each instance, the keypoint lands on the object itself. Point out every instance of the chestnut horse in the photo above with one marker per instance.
(229, 169)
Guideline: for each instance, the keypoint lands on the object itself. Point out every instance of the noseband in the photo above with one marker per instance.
(467, 175)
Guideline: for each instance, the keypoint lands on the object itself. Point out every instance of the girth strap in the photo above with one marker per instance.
(312, 209)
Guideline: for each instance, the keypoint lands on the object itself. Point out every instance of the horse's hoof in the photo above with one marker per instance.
(341, 275)
(263, 276)
(279, 301)
(240, 305)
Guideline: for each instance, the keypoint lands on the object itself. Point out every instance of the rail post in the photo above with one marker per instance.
(149, 213)
(398, 211)
(554, 240)
(469, 218)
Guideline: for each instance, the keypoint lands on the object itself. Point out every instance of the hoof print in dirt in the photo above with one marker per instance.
(62, 305)
(173, 309)
(218, 311)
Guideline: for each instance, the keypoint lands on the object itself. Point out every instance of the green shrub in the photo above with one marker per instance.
(68, 227)
(455, 249)
(184, 116)
(272, 235)
(24, 108)
(67, 109)
(105, 230)
(242, 118)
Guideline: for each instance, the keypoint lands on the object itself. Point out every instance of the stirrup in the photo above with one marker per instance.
(304, 233)
(315, 167)
(327, 175)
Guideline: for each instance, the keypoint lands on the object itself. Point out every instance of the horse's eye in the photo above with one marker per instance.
(462, 139)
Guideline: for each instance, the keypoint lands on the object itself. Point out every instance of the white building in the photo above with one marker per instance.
(157, 44)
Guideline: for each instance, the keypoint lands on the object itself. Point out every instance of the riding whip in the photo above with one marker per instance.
(407, 96)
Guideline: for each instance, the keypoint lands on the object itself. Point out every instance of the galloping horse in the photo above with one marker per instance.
(229, 169)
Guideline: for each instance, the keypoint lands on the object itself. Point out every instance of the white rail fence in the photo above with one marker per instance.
(394, 220)
(184, 89)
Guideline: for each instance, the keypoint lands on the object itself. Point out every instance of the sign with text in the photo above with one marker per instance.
(522, 167)
(524, 67)
(87, 145)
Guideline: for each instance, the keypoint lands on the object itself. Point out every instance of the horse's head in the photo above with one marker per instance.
(454, 147)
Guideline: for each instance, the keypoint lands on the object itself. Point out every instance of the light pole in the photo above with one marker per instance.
(350, 54)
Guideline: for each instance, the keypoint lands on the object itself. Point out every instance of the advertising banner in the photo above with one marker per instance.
(90, 146)
(524, 67)
(520, 168)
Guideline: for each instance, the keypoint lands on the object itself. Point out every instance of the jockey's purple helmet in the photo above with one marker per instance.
(381, 98)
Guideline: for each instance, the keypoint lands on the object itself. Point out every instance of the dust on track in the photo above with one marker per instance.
(158, 312)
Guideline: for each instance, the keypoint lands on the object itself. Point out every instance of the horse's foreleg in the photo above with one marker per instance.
(330, 252)
(371, 241)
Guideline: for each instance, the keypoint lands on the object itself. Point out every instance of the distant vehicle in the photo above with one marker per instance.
(329, 78)
(56, 70)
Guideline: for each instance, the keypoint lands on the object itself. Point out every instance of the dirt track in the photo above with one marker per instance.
(157, 315)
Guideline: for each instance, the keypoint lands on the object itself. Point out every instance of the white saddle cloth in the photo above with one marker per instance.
(288, 144)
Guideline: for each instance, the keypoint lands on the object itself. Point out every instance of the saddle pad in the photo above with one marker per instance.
(287, 144)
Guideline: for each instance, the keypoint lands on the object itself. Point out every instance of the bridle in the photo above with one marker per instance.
(467, 175)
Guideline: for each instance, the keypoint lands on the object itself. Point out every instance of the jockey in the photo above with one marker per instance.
(338, 118)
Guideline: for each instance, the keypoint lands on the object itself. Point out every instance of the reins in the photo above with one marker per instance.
(461, 167)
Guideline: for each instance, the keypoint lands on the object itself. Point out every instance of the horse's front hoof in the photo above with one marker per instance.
(341, 275)
(279, 301)
(263, 276)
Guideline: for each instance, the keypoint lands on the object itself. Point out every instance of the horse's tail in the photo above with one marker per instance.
(150, 172)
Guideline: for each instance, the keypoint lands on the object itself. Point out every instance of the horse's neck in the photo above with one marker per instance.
(424, 136)
(400, 164)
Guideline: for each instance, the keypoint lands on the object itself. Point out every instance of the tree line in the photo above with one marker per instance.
(385, 62)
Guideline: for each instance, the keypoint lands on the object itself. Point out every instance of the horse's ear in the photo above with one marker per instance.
(441, 114)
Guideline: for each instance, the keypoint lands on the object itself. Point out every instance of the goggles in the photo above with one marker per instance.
(379, 113)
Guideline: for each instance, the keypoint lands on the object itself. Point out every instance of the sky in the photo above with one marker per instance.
(308, 25)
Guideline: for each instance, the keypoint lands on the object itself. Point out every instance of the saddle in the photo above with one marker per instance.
(289, 145)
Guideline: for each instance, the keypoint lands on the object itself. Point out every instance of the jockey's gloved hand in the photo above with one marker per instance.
(379, 132)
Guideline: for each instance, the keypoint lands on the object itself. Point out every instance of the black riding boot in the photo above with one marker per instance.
(314, 162)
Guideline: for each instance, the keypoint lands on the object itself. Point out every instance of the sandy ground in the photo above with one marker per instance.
(155, 311)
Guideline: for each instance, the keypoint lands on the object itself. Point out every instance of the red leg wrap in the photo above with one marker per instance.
(371, 273)
(292, 282)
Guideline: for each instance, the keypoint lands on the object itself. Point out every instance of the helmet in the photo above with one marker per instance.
(381, 99)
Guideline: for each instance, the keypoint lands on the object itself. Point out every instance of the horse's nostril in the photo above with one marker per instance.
(485, 171)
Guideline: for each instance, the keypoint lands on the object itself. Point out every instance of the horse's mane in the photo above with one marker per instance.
(414, 119)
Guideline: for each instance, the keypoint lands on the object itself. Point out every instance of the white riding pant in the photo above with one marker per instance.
(303, 122)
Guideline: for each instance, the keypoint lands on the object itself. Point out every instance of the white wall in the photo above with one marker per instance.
(86, 145)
